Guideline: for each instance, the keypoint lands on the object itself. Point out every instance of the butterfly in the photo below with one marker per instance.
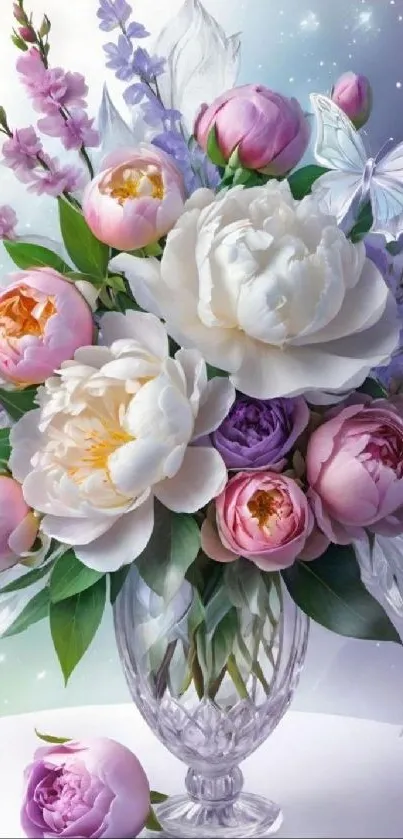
(355, 178)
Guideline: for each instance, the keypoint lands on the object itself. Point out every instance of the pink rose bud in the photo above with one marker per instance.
(19, 13)
(91, 789)
(136, 199)
(18, 525)
(353, 94)
(27, 34)
(355, 470)
(262, 516)
(270, 132)
(43, 321)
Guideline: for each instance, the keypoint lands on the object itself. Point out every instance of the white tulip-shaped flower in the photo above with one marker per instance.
(269, 289)
(113, 430)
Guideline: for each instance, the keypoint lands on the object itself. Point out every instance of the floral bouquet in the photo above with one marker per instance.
(200, 380)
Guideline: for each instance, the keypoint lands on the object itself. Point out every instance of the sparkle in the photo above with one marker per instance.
(309, 23)
(398, 85)
(364, 21)
(2, 658)
(41, 675)
(291, 79)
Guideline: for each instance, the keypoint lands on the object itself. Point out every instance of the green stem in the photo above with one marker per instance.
(235, 674)
(87, 161)
(197, 673)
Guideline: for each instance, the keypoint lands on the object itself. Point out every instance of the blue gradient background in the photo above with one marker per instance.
(296, 47)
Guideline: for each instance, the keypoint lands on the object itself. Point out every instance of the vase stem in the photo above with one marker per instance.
(214, 789)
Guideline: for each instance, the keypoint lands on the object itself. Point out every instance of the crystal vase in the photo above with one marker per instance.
(381, 564)
(211, 699)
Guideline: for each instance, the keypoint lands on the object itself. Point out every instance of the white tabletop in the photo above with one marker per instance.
(333, 776)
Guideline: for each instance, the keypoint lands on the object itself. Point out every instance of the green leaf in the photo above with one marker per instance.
(34, 611)
(213, 150)
(28, 256)
(70, 577)
(330, 591)
(214, 648)
(48, 738)
(117, 283)
(117, 580)
(373, 388)
(89, 254)
(363, 225)
(245, 587)
(152, 822)
(212, 372)
(158, 797)
(302, 181)
(76, 276)
(74, 623)
(172, 549)
(5, 448)
(18, 402)
(27, 580)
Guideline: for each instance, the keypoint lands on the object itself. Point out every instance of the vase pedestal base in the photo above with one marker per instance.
(249, 816)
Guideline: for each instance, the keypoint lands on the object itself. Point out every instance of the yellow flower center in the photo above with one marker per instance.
(127, 183)
(100, 444)
(25, 311)
(264, 506)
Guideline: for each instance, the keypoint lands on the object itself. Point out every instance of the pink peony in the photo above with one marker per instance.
(43, 321)
(92, 789)
(353, 94)
(262, 516)
(135, 200)
(355, 470)
(18, 525)
(270, 131)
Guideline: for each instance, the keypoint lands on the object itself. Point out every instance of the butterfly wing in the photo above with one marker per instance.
(338, 145)
(387, 194)
(338, 193)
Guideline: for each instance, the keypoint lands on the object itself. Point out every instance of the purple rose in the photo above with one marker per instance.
(92, 789)
(259, 433)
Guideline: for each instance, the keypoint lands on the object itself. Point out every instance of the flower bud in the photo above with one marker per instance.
(265, 131)
(27, 34)
(353, 94)
(19, 13)
(44, 27)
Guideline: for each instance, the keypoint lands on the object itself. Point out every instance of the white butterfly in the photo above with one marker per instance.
(355, 178)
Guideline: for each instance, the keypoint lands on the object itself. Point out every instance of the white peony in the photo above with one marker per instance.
(269, 289)
(114, 429)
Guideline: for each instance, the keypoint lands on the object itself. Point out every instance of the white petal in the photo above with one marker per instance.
(90, 357)
(268, 372)
(201, 61)
(143, 276)
(217, 400)
(143, 328)
(362, 307)
(201, 477)
(89, 292)
(79, 531)
(137, 465)
(25, 439)
(123, 543)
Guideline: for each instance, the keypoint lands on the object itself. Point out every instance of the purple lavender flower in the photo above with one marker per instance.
(136, 31)
(54, 180)
(196, 168)
(257, 434)
(147, 67)
(21, 151)
(8, 221)
(74, 131)
(113, 13)
(120, 58)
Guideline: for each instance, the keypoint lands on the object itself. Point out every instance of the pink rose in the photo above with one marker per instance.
(355, 470)
(353, 94)
(270, 131)
(136, 199)
(18, 525)
(43, 321)
(262, 516)
(92, 789)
